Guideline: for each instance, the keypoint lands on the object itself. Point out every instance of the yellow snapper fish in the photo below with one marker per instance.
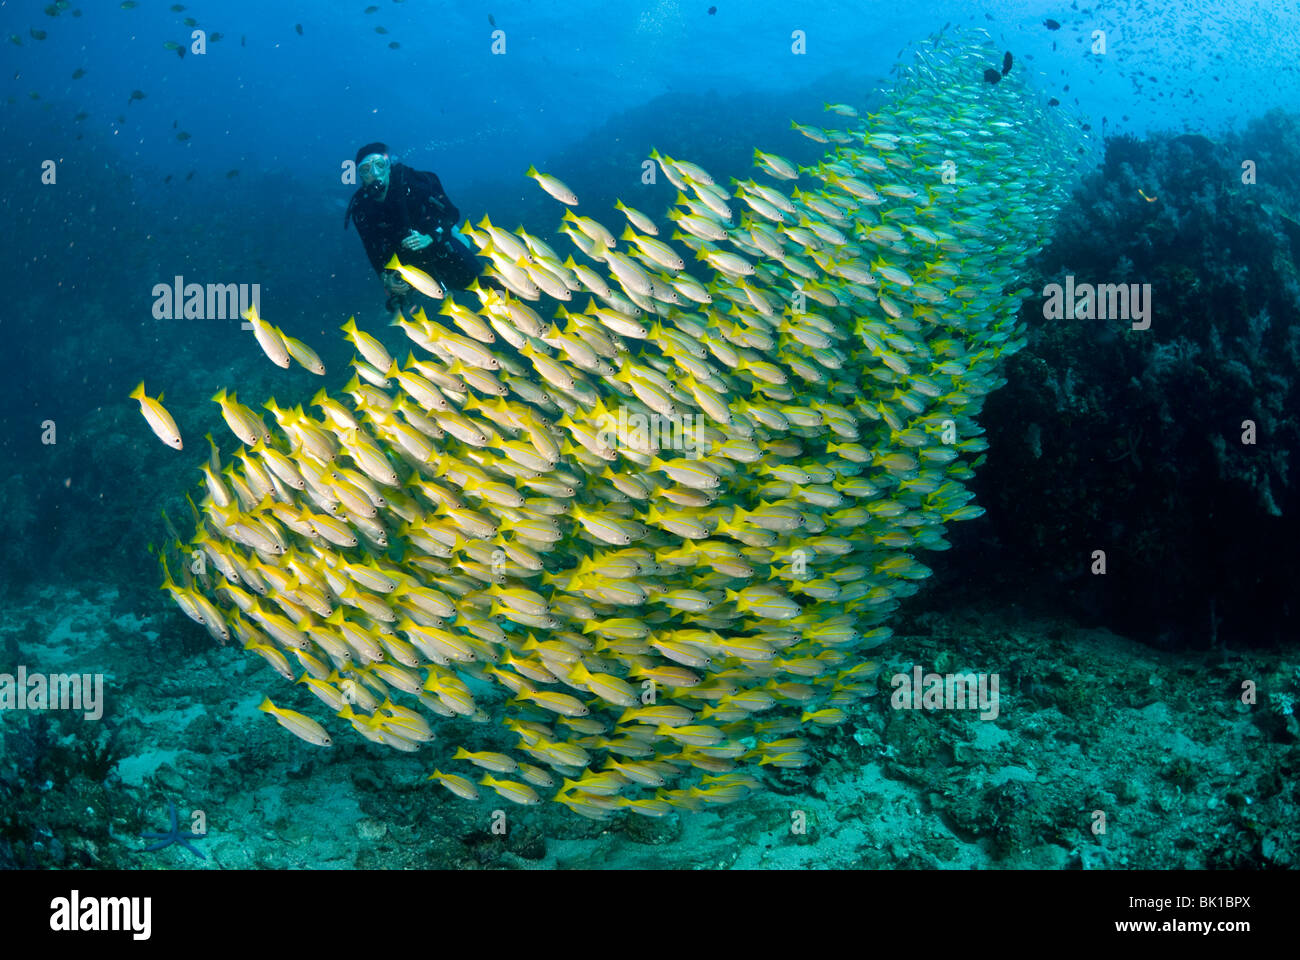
(554, 186)
(268, 338)
(159, 420)
(300, 726)
(665, 513)
(416, 278)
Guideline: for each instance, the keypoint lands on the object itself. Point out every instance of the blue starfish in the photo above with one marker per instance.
(174, 835)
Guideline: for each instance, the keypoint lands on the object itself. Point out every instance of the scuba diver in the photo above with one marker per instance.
(406, 212)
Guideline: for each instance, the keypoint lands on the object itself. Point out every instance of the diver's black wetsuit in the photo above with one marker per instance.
(415, 201)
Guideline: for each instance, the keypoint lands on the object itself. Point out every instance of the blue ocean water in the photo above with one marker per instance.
(255, 195)
(129, 165)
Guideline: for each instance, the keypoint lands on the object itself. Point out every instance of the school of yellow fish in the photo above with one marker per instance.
(642, 510)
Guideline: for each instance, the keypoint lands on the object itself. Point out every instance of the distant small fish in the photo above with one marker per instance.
(1053, 102)
(243, 40)
(81, 116)
(167, 179)
(712, 10)
(231, 174)
(37, 34)
(78, 73)
(371, 10)
(381, 29)
(1051, 25)
(297, 27)
(492, 21)
(34, 95)
(129, 4)
(52, 10)
(214, 37)
(175, 124)
(178, 7)
(16, 40)
(173, 45)
(394, 45)
(121, 119)
(182, 136)
(1006, 63)
(190, 176)
(992, 76)
(135, 95)
(190, 22)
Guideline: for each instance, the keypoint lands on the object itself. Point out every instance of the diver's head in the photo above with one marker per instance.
(374, 167)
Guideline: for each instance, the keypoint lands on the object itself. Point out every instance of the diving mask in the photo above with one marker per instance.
(374, 168)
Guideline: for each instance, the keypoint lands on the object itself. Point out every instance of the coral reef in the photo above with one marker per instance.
(1137, 442)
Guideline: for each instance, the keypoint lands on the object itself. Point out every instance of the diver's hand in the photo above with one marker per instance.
(416, 240)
